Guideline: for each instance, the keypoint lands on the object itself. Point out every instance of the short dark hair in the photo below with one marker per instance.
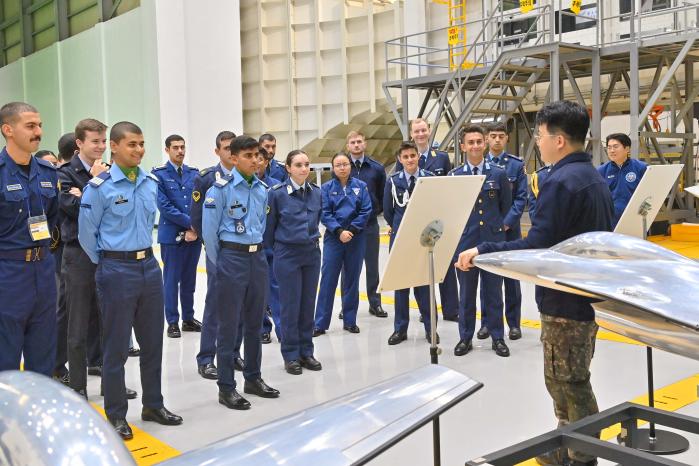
(564, 116)
(621, 137)
(67, 147)
(172, 138)
(88, 124)
(340, 154)
(119, 130)
(40, 154)
(471, 129)
(243, 142)
(290, 156)
(498, 127)
(267, 137)
(224, 136)
(405, 145)
(9, 113)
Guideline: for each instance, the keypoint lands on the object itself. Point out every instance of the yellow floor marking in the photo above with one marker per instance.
(669, 398)
(145, 449)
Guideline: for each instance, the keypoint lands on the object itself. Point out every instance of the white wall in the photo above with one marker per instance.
(170, 66)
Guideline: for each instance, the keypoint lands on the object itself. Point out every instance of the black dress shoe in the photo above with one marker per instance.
(134, 352)
(266, 339)
(428, 337)
(483, 333)
(238, 364)
(260, 388)
(310, 363)
(95, 370)
(341, 315)
(82, 392)
(62, 378)
(293, 367)
(122, 428)
(451, 318)
(378, 311)
(501, 348)
(351, 328)
(161, 416)
(318, 332)
(463, 347)
(233, 400)
(208, 371)
(515, 333)
(397, 337)
(173, 331)
(191, 325)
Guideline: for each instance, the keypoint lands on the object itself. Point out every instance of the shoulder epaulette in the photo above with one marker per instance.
(192, 168)
(153, 177)
(277, 186)
(512, 156)
(263, 183)
(428, 173)
(161, 167)
(221, 182)
(45, 163)
(545, 167)
(314, 185)
(99, 179)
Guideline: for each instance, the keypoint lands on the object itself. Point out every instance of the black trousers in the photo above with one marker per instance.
(79, 277)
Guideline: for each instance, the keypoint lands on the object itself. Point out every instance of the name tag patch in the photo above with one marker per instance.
(14, 187)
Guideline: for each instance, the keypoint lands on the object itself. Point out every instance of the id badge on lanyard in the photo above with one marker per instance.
(38, 227)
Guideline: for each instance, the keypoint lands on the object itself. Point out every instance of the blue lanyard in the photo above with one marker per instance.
(29, 193)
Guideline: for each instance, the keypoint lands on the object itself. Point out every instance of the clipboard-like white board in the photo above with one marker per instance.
(654, 188)
(693, 190)
(449, 199)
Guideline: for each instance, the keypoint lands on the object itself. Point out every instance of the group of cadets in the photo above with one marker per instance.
(258, 220)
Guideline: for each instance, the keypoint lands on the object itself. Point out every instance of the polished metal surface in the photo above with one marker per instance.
(344, 431)
(649, 293)
(44, 423)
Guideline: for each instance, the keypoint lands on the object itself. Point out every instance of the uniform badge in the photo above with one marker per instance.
(289, 189)
(491, 194)
(121, 200)
(14, 187)
(132, 176)
(218, 176)
(239, 227)
(196, 195)
(356, 191)
(268, 209)
(630, 177)
(210, 202)
(46, 184)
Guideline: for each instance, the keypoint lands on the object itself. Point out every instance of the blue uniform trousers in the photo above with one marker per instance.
(272, 307)
(130, 295)
(402, 307)
(513, 293)
(241, 285)
(180, 275)
(336, 257)
(28, 315)
(297, 268)
(449, 294)
(491, 293)
(209, 323)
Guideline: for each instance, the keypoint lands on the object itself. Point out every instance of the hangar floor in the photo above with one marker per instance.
(512, 406)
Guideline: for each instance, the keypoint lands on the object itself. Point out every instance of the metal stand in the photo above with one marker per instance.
(652, 440)
(428, 238)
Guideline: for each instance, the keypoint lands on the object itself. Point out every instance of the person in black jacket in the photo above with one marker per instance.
(574, 200)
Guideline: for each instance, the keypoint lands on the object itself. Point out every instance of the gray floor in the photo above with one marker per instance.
(512, 406)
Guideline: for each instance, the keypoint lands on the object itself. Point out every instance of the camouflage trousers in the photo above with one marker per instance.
(568, 349)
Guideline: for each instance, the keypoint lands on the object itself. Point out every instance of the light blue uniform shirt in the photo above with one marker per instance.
(117, 215)
(234, 211)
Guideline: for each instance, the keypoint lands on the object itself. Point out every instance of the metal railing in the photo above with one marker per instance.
(427, 53)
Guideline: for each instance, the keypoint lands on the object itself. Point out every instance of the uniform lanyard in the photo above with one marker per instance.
(240, 223)
(406, 195)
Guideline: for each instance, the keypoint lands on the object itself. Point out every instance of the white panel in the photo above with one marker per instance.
(304, 38)
(12, 89)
